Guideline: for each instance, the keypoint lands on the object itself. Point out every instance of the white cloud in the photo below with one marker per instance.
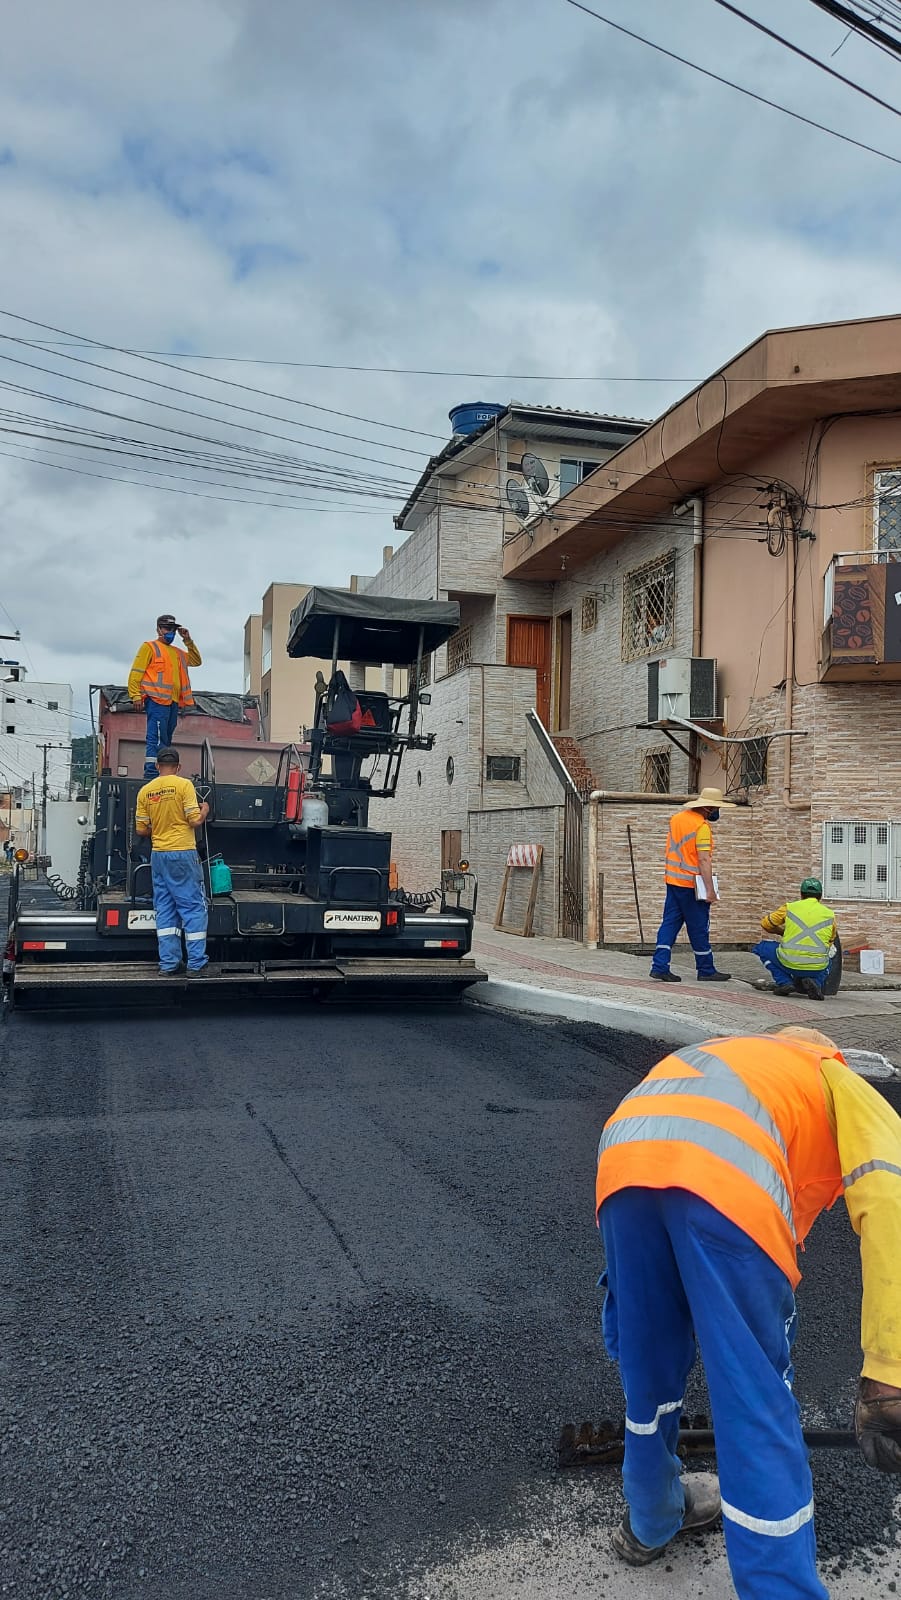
(488, 186)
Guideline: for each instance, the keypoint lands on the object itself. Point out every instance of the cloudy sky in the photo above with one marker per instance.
(496, 186)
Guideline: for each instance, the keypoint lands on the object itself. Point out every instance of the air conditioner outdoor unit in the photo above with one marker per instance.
(682, 686)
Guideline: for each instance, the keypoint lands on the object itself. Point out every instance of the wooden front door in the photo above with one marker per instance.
(529, 645)
(451, 848)
(563, 674)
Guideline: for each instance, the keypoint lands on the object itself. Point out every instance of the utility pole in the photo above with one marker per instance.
(45, 748)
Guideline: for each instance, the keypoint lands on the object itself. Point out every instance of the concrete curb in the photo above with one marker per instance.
(670, 1027)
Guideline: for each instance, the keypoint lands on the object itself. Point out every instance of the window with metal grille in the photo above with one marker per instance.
(503, 769)
(857, 858)
(459, 650)
(655, 772)
(754, 763)
(887, 510)
(649, 607)
(589, 613)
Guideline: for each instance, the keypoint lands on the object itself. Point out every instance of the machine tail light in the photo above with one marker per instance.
(112, 919)
(391, 919)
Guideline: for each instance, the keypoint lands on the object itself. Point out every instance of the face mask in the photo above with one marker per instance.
(169, 636)
(713, 814)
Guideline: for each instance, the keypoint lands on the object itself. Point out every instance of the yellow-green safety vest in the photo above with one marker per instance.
(804, 946)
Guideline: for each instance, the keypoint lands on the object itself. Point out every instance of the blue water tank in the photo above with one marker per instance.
(473, 416)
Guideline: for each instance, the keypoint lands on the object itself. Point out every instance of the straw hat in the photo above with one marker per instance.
(712, 798)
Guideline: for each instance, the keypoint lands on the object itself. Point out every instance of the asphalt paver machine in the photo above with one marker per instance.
(312, 906)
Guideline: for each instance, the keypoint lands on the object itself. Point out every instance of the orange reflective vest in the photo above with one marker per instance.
(158, 682)
(742, 1123)
(682, 850)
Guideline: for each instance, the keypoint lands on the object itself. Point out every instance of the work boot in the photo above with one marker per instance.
(812, 989)
(172, 972)
(783, 989)
(666, 977)
(714, 977)
(702, 1508)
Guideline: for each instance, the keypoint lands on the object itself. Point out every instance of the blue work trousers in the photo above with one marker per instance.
(678, 1271)
(180, 903)
(161, 725)
(682, 909)
(768, 951)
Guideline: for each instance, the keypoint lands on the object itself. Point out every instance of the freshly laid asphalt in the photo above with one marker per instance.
(295, 1304)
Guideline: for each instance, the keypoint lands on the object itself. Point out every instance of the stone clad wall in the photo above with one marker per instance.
(491, 834)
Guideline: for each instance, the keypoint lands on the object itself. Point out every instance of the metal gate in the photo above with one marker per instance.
(572, 865)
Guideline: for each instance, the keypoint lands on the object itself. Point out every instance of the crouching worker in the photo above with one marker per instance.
(710, 1174)
(800, 958)
(169, 812)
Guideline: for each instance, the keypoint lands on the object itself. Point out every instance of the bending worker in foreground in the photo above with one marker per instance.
(800, 956)
(169, 812)
(159, 682)
(710, 1173)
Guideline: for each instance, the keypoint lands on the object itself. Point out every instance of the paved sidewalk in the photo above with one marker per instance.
(868, 1018)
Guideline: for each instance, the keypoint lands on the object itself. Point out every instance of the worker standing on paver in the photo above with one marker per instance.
(800, 956)
(710, 1173)
(690, 887)
(168, 811)
(160, 683)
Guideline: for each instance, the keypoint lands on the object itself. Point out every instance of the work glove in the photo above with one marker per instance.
(877, 1425)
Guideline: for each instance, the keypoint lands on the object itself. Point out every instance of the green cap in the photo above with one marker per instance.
(812, 886)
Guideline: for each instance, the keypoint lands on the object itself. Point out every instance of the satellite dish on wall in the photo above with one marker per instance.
(517, 499)
(535, 473)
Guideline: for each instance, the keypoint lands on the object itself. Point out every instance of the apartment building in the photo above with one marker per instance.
(283, 686)
(499, 689)
(34, 715)
(711, 598)
(754, 528)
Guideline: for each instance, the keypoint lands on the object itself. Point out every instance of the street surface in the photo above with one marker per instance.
(295, 1304)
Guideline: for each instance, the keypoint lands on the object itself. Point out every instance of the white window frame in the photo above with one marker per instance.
(853, 852)
(585, 469)
(267, 646)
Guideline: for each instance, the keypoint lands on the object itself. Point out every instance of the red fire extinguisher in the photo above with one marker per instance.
(294, 795)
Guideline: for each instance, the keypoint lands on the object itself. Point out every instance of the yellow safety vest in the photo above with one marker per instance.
(804, 946)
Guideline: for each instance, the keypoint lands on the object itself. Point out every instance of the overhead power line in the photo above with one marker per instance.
(863, 25)
(806, 56)
(730, 84)
(415, 372)
(82, 341)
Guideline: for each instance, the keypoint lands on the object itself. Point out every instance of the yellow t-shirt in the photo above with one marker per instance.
(165, 803)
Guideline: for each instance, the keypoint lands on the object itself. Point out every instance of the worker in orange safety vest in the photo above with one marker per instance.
(690, 887)
(710, 1173)
(160, 683)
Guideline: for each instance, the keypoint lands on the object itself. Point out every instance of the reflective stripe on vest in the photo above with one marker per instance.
(804, 946)
(679, 869)
(158, 683)
(718, 1082)
(740, 1122)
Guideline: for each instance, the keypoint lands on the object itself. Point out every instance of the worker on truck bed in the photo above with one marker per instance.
(690, 887)
(159, 683)
(801, 955)
(710, 1173)
(168, 811)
